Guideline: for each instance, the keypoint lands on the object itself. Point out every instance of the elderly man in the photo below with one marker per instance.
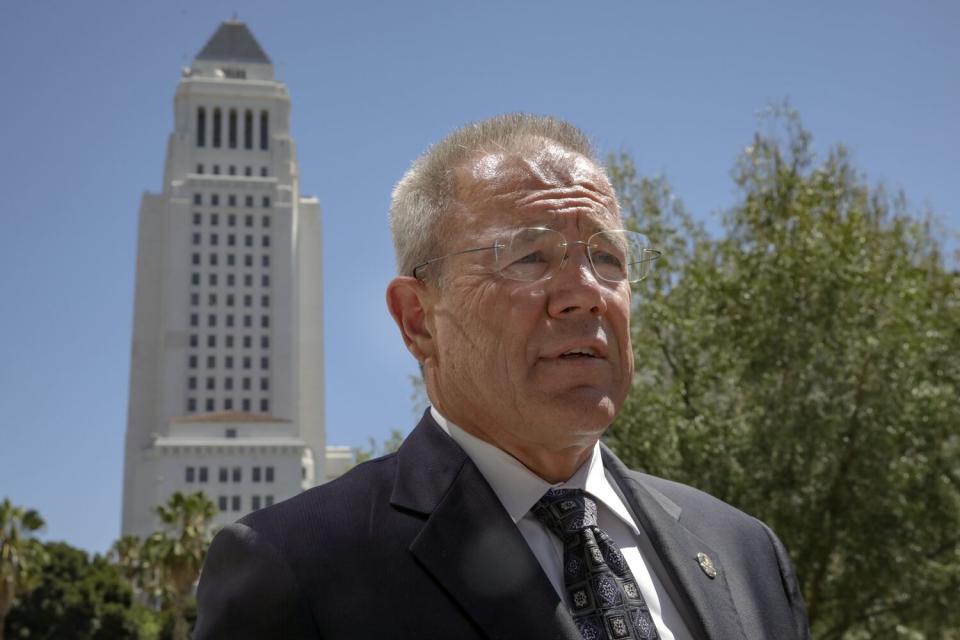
(502, 516)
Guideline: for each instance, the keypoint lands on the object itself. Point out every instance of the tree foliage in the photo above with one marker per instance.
(20, 554)
(805, 367)
(81, 598)
(171, 559)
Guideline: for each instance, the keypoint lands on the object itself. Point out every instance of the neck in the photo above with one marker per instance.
(552, 466)
(553, 463)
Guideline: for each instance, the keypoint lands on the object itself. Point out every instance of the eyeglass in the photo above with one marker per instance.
(538, 253)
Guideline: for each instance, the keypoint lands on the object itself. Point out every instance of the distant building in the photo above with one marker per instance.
(226, 373)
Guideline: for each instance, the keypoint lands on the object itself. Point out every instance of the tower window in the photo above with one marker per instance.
(264, 405)
(216, 127)
(201, 127)
(248, 132)
(200, 168)
(191, 472)
(263, 172)
(265, 202)
(232, 134)
(264, 130)
(222, 503)
(264, 384)
(237, 474)
(210, 404)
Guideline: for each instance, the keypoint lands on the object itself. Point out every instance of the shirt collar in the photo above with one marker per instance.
(518, 488)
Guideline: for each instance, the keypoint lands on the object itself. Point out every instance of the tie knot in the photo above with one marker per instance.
(566, 511)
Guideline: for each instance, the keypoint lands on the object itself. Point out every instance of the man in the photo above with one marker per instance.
(502, 516)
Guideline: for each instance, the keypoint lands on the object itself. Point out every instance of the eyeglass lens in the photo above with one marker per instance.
(537, 253)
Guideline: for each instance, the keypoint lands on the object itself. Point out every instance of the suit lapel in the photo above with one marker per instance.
(470, 545)
(709, 599)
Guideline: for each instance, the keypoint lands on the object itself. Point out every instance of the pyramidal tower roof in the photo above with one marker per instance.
(233, 42)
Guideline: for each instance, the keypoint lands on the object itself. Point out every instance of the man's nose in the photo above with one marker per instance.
(575, 287)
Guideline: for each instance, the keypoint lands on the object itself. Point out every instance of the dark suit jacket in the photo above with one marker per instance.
(417, 545)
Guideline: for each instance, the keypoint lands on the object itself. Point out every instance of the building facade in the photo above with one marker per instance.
(226, 374)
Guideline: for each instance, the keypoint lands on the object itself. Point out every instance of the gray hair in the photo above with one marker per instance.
(428, 190)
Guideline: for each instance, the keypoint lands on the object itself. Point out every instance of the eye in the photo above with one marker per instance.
(531, 258)
(601, 257)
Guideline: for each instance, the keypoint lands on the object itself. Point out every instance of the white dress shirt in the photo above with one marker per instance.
(518, 489)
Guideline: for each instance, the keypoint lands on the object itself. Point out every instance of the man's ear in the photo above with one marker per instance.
(408, 301)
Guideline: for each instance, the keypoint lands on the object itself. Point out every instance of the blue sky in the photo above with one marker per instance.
(87, 108)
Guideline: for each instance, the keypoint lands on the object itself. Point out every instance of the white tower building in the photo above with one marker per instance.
(226, 374)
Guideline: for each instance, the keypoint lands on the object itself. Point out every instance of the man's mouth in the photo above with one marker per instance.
(579, 353)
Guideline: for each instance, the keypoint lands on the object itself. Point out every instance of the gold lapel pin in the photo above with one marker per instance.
(706, 565)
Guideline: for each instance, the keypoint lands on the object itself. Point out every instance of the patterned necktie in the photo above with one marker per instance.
(604, 595)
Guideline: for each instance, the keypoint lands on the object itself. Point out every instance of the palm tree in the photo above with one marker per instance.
(177, 552)
(20, 554)
(129, 554)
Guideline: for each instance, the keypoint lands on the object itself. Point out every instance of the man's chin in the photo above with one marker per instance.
(588, 408)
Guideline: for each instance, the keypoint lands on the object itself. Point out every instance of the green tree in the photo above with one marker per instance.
(20, 554)
(177, 553)
(805, 367)
(391, 444)
(81, 598)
